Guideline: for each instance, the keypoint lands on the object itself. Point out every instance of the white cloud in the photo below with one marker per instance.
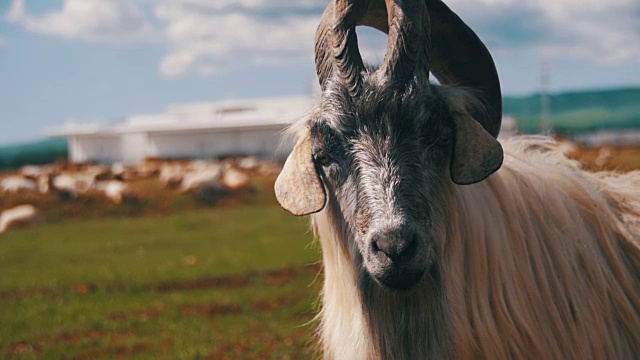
(209, 42)
(246, 4)
(605, 31)
(206, 37)
(94, 20)
(599, 31)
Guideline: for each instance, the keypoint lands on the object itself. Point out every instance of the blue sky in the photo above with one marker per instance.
(100, 60)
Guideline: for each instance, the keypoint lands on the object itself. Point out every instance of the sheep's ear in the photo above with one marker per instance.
(299, 189)
(476, 153)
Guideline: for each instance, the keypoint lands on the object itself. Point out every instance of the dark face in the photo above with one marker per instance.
(384, 158)
(379, 155)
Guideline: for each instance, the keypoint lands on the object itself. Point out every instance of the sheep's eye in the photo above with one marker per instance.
(323, 158)
(445, 140)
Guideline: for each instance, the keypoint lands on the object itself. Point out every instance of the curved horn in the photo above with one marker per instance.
(461, 59)
(409, 41)
(458, 58)
(337, 32)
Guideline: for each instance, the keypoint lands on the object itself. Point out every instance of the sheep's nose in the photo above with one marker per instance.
(395, 244)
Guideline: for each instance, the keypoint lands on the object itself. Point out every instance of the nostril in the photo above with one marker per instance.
(396, 245)
(374, 246)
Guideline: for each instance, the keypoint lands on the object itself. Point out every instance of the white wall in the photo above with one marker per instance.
(131, 148)
(90, 148)
(134, 147)
(261, 142)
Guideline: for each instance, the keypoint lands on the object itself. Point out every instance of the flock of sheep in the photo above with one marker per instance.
(117, 183)
(114, 183)
(573, 151)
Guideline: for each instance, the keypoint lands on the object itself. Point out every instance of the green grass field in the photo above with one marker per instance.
(216, 283)
(165, 278)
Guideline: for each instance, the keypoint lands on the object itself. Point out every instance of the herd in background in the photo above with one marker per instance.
(116, 183)
(573, 151)
(200, 177)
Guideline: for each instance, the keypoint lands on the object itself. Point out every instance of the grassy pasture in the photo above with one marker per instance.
(165, 278)
(215, 283)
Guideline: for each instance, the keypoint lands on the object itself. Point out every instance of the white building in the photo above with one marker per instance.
(626, 137)
(202, 130)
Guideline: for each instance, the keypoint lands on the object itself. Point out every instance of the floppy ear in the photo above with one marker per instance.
(476, 153)
(299, 189)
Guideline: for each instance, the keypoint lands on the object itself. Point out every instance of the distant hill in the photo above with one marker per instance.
(579, 111)
(36, 153)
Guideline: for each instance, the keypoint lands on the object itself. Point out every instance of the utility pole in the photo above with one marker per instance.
(545, 106)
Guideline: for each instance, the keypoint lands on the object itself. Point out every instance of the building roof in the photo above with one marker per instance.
(217, 115)
(226, 114)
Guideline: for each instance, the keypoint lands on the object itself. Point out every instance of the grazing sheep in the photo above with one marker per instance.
(126, 173)
(72, 185)
(115, 190)
(20, 217)
(31, 171)
(605, 155)
(149, 167)
(248, 163)
(15, 184)
(233, 179)
(439, 242)
(118, 170)
(569, 149)
(171, 175)
(203, 177)
(43, 182)
(97, 172)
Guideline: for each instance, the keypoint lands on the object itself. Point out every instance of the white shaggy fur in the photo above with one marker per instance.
(539, 261)
(15, 184)
(20, 217)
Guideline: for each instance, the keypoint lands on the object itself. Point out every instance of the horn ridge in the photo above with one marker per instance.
(409, 41)
(348, 59)
(337, 45)
(450, 49)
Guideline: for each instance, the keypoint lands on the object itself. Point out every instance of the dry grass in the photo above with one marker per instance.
(623, 158)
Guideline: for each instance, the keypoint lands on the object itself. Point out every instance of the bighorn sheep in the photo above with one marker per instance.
(429, 251)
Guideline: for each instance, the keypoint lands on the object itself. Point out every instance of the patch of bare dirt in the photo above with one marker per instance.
(276, 277)
(272, 306)
(17, 294)
(23, 293)
(167, 344)
(143, 315)
(220, 282)
(281, 276)
(71, 338)
(23, 348)
(259, 344)
(211, 310)
(84, 288)
(115, 352)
